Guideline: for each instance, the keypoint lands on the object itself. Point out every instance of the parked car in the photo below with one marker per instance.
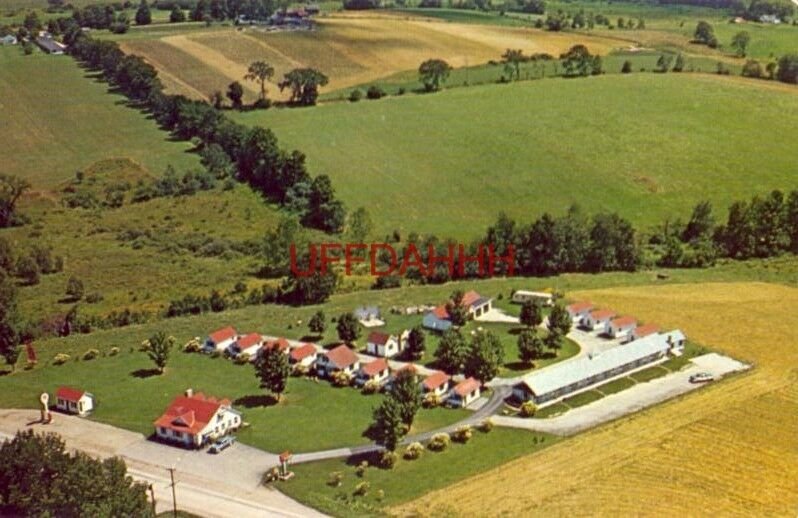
(222, 444)
(701, 377)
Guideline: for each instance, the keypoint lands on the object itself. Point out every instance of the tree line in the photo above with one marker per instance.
(280, 176)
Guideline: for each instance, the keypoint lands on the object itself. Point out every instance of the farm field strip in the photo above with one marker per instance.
(688, 442)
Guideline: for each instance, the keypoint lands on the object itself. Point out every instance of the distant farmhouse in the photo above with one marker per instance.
(49, 45)
(193, 420)
(438, 319)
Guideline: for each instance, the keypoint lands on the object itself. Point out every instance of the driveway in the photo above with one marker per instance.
(224, 485)
(628, 401)
(497, 315)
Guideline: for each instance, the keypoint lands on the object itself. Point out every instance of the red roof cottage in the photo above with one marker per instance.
(342, 358)
(377, 371)
(436, 383)
(74, 401)
(221, 339)
(193, 420)
(465, 393)
(303, 355)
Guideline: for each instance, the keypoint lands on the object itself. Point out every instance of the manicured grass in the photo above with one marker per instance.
(615, 386)
(552, 410)
(649, 374)
(408, 479)
(58, 120)
(585, 398)
(130, 396)
(533, 149)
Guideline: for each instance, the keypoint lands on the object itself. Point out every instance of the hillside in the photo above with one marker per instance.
(646, 145)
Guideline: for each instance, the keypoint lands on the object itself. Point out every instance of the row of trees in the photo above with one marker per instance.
(280, 176)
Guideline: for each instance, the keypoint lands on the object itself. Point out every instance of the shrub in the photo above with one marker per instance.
(375, 92)
(341, 379)
(627, 67)
(60, 359)
(91, 354)
(335, 479)
(355, 95)
(379, 495)
(192, 346)
(432, 401)
(113, 351)
(300, 370)
(401, 91)
(362, 489)
(360, 470)
(413, 451)
(371, 387)
(262, 104)
(462, 434)
(439, 442)
(242, 359)
(388, 459)
(486, 426)
(528, 409)
(94, 297)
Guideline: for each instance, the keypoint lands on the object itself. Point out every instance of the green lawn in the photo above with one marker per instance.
(582, 399)
(649, 374)
(542, 145)
(615, 386)
(409, 479)
(552, 410)
(129, 396)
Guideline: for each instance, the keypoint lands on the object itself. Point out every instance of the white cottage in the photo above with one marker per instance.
(74, 401)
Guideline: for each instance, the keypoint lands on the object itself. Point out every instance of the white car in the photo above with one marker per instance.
(701, 377)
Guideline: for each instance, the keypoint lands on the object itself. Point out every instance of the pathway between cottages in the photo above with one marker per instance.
(628, 401)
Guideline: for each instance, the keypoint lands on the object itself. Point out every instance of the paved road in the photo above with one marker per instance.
(225, 485)
(627, 401)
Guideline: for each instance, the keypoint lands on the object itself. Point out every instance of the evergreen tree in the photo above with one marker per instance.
(143, 15)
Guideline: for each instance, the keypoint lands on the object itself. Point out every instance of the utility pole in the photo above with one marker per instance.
(174, 498)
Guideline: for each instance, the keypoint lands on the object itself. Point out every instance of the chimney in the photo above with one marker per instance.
(189, 392)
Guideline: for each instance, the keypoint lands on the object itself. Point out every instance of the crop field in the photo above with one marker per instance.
(350, 49)
(728, 449)
(448, 163)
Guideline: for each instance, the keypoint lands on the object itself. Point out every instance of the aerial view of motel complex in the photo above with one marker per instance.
(398, 258)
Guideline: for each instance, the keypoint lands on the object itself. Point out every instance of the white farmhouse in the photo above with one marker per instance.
(193, 420)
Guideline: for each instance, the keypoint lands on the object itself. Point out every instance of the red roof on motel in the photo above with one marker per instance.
(300, 353)
(249, 340)
(190, 414)
(223, 334)
(377, 366)
(377, 337)
(648, 329)
(342, 356)
(435, 380)
(281, 344)
(578, 307)
(69, 394)
(624, 322)
(466, 387)
(602, 314)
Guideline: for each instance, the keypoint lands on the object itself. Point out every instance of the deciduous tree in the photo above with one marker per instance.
(452, 352)
(260, 72)
(416, 343)
(348, 328)
(485, 356)
(272, 369)
(433, 74)
(531, 313)
(159, 347)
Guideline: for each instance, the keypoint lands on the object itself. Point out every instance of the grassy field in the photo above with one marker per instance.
(688, 442)
(57, 121)
(408, 478)
(542, 145)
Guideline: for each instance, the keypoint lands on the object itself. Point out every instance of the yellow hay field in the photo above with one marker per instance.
(350, 50)
(730, 449)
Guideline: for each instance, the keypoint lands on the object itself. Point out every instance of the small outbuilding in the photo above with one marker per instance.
(465, 393)
(523, 296)
(340, 359)
(598, 320)
(74, 401)
(621, 326)
(382, 344)
(221, 339)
